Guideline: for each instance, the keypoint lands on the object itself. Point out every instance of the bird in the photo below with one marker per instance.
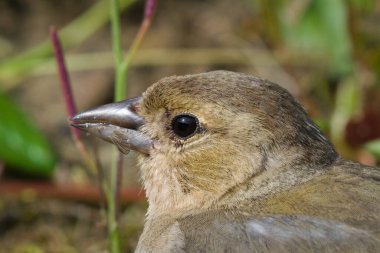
(231, 162)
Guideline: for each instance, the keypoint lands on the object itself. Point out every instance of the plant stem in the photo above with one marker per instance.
(69, 101)
(113, 230)
(120, 89)
(119, 182)
(121, 68)
(150, 6)
(135, 45)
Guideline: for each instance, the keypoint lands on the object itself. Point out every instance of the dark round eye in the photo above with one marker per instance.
(184, 125)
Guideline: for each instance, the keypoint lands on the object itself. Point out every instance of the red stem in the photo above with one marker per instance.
(87, 193)
(64, 78)
(150, 6)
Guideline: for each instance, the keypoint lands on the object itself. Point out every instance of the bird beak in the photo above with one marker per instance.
(117, 123)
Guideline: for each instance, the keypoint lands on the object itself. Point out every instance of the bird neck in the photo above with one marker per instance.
(265, 185)
(164, 200)
(291, 167)
(273, 174)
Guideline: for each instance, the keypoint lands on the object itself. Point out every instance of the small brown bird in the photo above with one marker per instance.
(232, 163)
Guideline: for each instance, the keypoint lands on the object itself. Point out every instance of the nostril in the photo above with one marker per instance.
(156, 144)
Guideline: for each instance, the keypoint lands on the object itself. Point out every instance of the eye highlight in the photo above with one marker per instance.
(185, 125)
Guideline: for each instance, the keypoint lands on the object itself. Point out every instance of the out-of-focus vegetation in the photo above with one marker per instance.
(22, 145)
(327, 53)
(340, 36)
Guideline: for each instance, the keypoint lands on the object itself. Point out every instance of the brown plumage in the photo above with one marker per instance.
(232, 163)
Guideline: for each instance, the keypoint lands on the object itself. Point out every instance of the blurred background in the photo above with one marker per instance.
(326, 53)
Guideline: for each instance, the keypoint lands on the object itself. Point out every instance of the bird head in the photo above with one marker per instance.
(199, 136)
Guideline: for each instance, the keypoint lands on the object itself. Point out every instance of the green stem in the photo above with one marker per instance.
(118, 53)
(121, 69)
(113, 229)
(112, 194)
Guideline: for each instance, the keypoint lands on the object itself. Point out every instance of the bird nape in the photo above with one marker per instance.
(232, 163)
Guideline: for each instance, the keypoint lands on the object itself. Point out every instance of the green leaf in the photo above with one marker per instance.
(373, 147)
(21, 144)
(321, 28)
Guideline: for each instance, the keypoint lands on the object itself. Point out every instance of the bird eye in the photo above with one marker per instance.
(184, 125)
